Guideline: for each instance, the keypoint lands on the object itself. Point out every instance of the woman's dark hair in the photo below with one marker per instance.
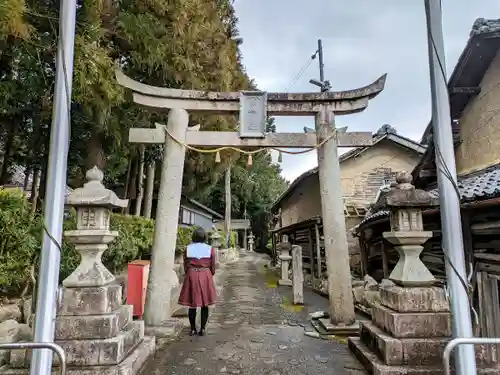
(199, 235)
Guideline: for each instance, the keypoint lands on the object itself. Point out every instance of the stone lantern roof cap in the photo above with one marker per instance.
(404, 194)
(94, 193)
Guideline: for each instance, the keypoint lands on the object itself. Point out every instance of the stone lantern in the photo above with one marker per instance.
(284, 248)
(407, 234)
(411, 322)
(93, 327)
(216, 242)
(251, 242)
(93, 203)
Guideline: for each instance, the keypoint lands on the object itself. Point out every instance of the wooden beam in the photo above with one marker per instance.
(466, 90)
(427, 173)
(221, 139)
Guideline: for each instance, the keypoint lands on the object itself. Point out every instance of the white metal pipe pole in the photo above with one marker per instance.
(452, 241)
(48, 280)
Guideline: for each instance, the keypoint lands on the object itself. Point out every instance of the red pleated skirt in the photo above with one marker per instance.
(198, 289)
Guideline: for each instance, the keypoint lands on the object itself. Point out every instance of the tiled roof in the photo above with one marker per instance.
(477, 186)
(377, 137)
(482, 185)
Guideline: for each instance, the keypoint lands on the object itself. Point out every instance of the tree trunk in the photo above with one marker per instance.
(140, 183)
(96, 157)
(27, 175)
(7, 151)
(43, 181)
(127, 178)
(35, 190)
(227, 217)
(132, 183)
(150, 184)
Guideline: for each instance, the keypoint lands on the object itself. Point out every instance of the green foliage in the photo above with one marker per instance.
(173, 43)
(20, 242)
(135, 239)
(184, 235)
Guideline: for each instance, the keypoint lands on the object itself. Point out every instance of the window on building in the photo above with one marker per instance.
(187, 217)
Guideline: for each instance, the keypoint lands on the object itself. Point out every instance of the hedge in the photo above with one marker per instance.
(20, 242)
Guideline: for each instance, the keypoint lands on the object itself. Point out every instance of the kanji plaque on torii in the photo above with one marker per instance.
(176, 135)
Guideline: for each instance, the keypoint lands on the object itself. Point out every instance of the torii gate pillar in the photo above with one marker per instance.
(323, 105)
(334, 230)
(162, 277)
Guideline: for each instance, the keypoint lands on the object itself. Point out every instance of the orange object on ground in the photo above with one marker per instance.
(137, 285)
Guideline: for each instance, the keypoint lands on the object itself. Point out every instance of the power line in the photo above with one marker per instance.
(301, 71)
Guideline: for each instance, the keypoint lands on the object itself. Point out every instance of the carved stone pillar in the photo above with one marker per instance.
(284, 248)
(297, 276)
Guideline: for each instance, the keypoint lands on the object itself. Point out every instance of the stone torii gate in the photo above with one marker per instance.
(253, 107)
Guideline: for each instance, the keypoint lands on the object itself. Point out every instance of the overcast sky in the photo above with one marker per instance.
(362, 39)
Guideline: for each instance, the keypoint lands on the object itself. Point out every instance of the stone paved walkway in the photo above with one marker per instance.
(255, 330)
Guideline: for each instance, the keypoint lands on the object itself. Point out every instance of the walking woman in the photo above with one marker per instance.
(198, 289)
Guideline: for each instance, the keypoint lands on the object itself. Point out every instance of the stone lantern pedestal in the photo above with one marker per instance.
(284, 247)
(251, 242)
(95, 330)
(216, 242)
(411, 325)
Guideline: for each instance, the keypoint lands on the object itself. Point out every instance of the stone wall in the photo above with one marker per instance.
(480, 125)
(14, 315)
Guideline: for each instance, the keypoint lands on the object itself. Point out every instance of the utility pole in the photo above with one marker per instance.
(452, 240)
(322, 84)
(48, 280)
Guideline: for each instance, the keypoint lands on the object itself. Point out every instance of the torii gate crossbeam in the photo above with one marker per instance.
(323, 106)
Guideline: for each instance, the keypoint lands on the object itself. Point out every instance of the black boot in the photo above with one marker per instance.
(204, 319)
(192, 321)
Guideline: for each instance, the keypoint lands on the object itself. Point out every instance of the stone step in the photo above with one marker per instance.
(131, 365)
(109, 351)
(73, 327)
(411, 324)
(409, 351)
(374, 365)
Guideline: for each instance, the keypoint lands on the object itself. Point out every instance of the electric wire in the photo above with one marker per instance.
(444, 169)
(301, 71)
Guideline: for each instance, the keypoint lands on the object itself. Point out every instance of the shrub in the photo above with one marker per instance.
(183, 239)
(21, 242)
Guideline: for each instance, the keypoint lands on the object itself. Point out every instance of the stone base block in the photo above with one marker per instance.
(408, 351)
(284, 282)
(402, 325)
(332, 329)
(131, 365)
(374, 365)
(169, 329)
(417, 299)
(90, 301)
(73, 327)
(91, 352)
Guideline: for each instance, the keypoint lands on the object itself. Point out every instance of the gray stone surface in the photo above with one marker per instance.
(297, 275)
(256, 330)
(90, 301)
